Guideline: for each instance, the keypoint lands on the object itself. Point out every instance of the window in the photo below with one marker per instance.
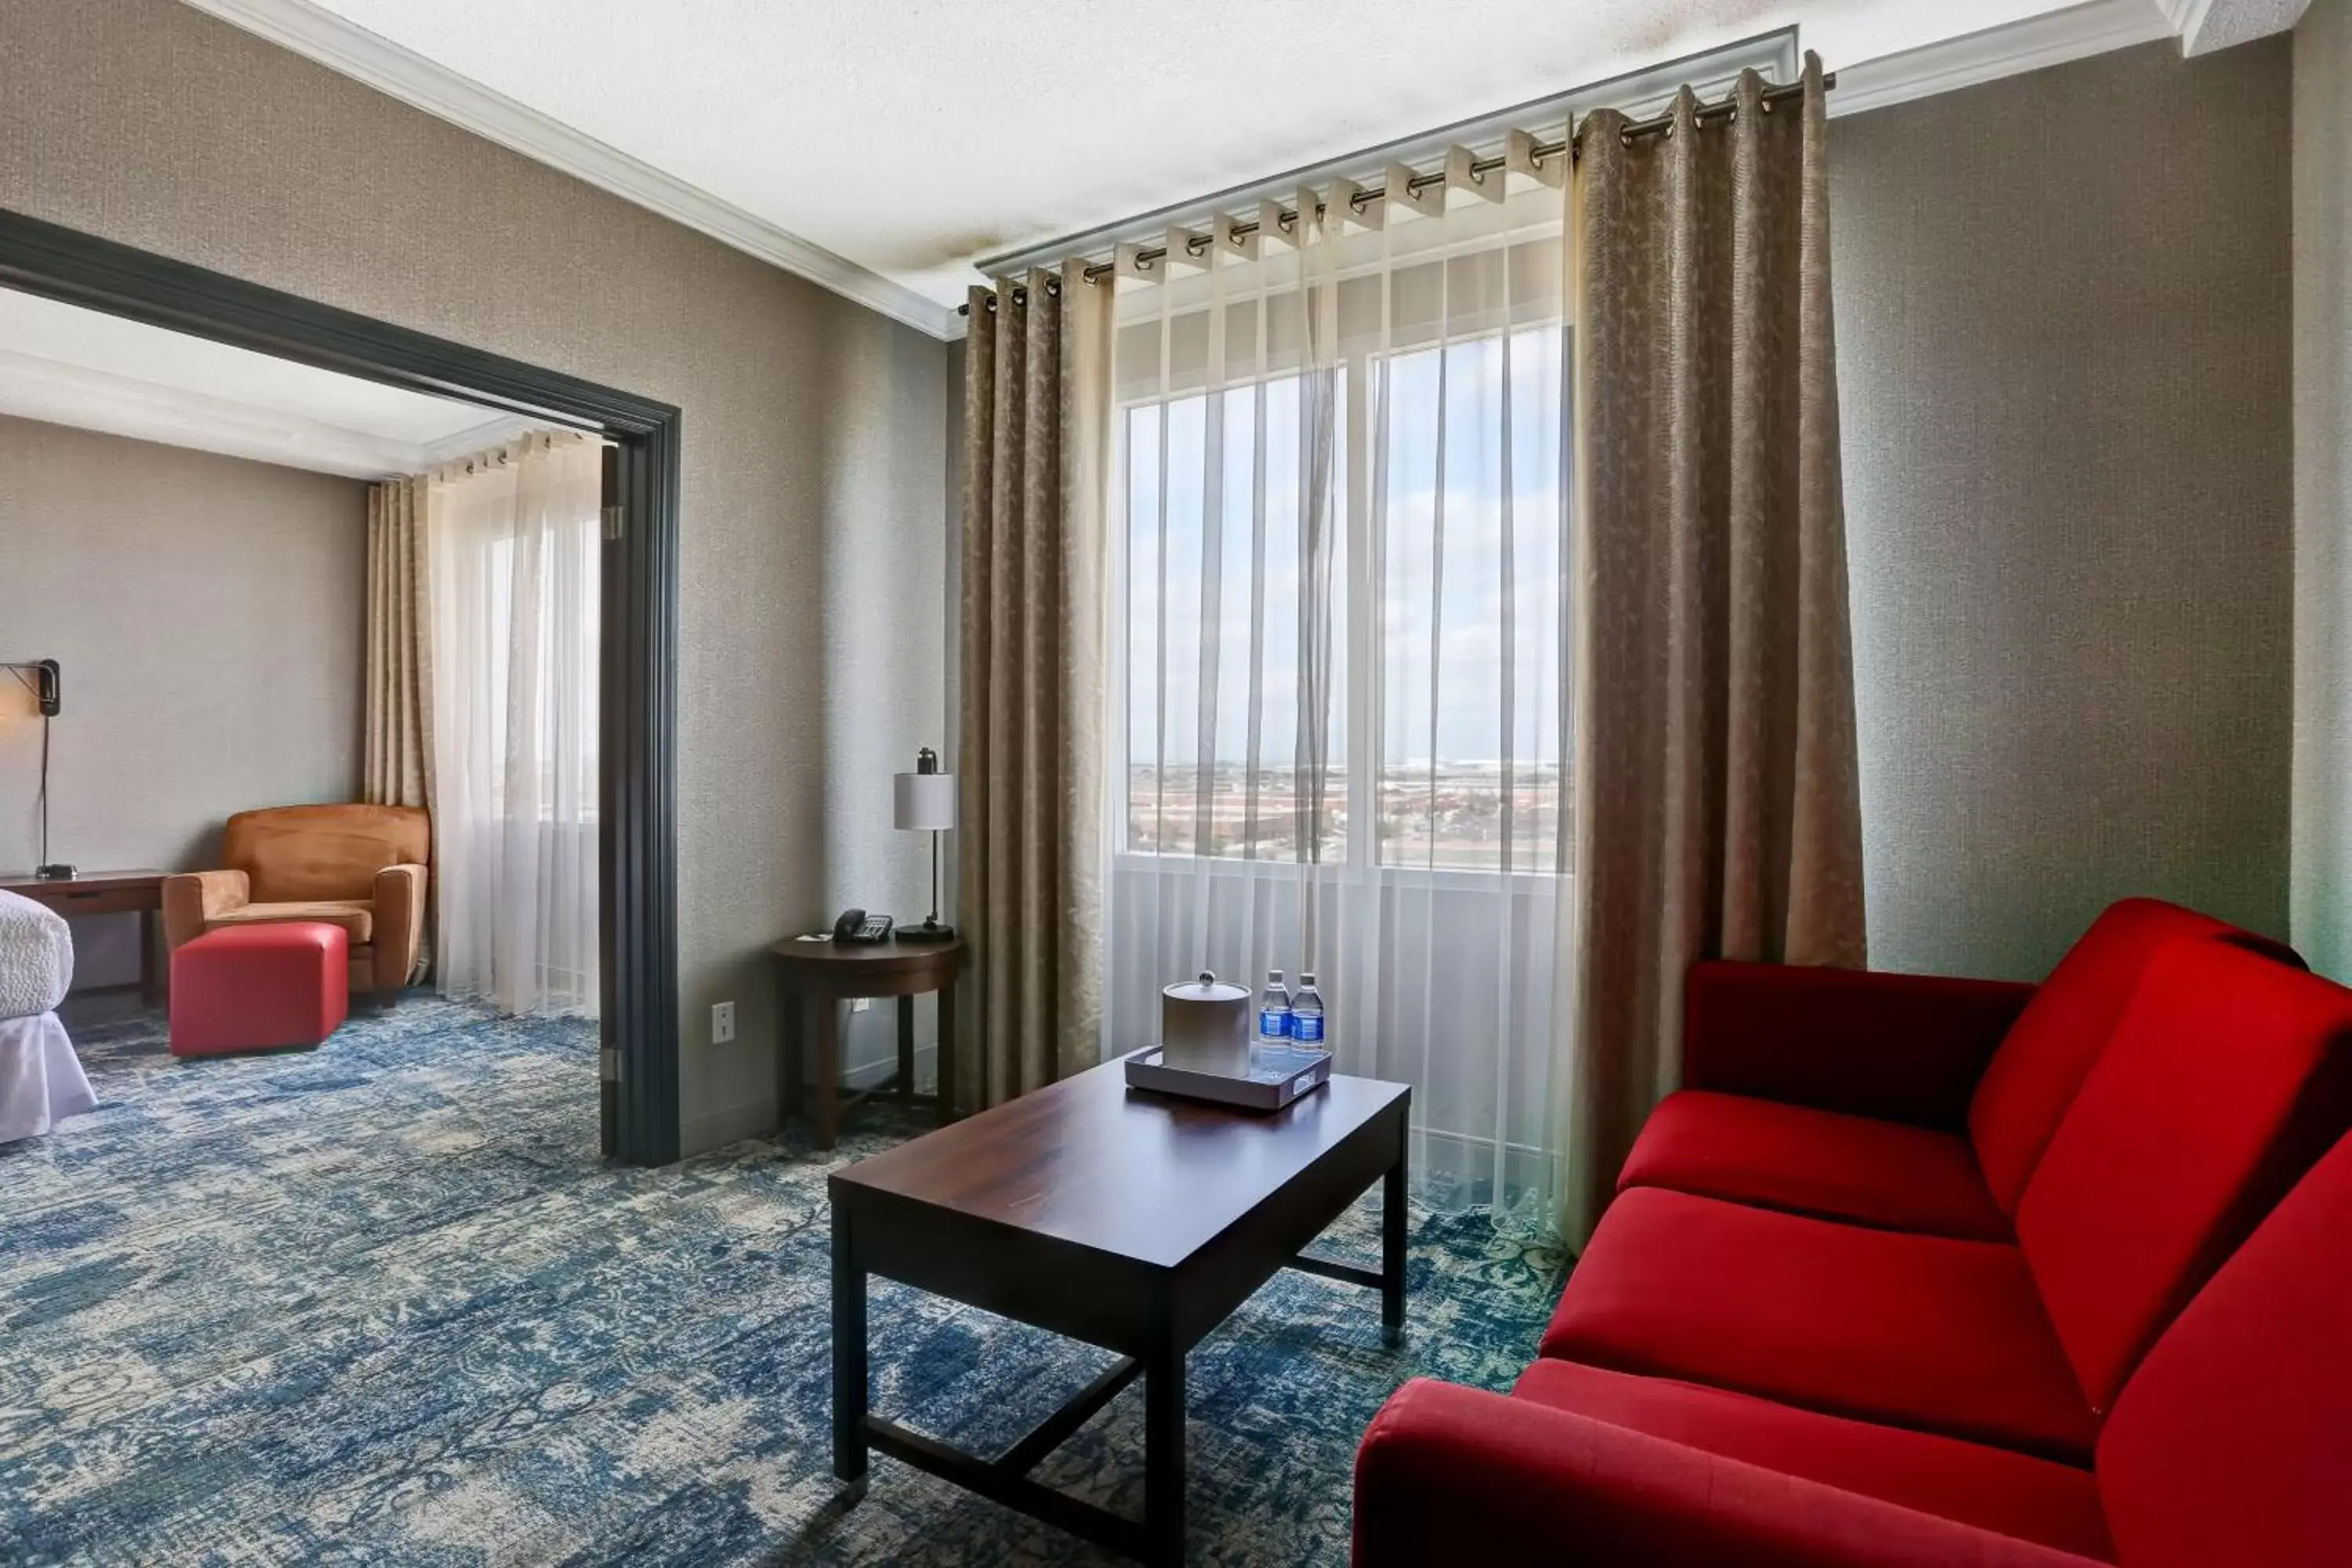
(1214, 619)
(563, 626)
(1439, 597)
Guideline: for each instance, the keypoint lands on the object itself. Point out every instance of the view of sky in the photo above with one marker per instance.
(1460, 540)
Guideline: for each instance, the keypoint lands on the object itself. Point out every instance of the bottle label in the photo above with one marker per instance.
(1306, 1027)
(1273, 1023)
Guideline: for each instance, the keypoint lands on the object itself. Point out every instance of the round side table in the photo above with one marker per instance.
(812, 978)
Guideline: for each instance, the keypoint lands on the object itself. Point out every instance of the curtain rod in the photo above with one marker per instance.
(1709, 114)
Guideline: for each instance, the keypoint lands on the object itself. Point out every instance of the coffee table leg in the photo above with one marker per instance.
(1393, 1236)
(848, 1356)
(1163, 1455)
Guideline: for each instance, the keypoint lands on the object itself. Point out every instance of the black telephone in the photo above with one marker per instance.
(857, 926)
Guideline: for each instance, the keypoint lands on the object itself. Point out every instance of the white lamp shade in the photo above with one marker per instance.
(926, 802)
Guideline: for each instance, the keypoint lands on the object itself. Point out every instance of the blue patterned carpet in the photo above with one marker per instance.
(381, 1302)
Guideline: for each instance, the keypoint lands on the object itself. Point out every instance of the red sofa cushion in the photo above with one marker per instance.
(1792, 1157)
(1914, 1331)
(2016, 1494)
(1892, 1047)
(2048, 1051)
(2233, 1441)
(2227, 1077)
(1455, 1475)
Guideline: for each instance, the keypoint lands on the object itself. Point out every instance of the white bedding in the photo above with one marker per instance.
(36, 957)
(41, 1080)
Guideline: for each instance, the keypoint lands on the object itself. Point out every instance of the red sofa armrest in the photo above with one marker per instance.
(1448, 1475)
(1900, 1047)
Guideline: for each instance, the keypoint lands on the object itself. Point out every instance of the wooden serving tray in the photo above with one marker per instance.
(1281, 1074)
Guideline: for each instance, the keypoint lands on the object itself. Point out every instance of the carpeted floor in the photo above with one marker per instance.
(381, 1302)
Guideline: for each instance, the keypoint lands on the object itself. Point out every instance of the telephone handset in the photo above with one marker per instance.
(856, 926)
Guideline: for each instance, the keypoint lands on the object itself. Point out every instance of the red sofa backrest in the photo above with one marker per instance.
(2048, 1051)
(2233, 1441)
(2228, 1074)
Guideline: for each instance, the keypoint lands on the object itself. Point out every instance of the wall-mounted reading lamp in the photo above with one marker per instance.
(46, 684)
(42, 677)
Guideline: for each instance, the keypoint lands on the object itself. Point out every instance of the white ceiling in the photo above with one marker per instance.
(912, 135)
(881, 146)
(69, 365)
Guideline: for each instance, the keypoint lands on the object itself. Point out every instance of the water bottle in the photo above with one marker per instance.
(1273, 1011)
(1306, 1013)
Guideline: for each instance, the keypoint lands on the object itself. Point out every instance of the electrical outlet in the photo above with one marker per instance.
(723, 1021)
(862, 1004)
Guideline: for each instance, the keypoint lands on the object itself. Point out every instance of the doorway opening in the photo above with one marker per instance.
(557, 536)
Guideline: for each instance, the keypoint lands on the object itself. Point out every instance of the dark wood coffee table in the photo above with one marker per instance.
(1124, 1219)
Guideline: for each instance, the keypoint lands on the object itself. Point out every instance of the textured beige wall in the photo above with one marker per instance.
(2322, 914)
(2062, 319)
(812, 431)
(206, 610)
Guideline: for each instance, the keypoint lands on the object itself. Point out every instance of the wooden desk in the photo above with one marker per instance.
(814, 977)
(137, 893)
(1126, 1219)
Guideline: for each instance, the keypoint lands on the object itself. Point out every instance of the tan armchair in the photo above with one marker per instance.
(362, 867)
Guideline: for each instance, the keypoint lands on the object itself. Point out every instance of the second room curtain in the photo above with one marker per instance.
(396, 768)
(514, 547)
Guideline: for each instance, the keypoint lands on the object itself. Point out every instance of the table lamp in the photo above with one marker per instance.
(926, 803)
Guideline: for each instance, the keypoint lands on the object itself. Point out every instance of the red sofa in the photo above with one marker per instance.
(1900, 1277)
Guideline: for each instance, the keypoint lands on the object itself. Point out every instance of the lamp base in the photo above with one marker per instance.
(58, 872)
(925, 931)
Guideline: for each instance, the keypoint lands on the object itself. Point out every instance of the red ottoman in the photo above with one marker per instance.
(260, 988)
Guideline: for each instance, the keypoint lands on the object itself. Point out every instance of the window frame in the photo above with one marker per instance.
(1361, 864)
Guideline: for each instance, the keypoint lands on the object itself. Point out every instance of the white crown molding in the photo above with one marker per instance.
(2205, 26)
(56, 393)
(2029, 45)
(351, 51)
(2185, 16)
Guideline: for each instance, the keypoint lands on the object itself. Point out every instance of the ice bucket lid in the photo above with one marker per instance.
(1206, 988)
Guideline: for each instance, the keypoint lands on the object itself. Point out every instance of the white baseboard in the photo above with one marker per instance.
(870, 1074)
(720, 1128)
(758, 1118)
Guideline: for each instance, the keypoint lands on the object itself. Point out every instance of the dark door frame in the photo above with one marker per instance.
(637, 795)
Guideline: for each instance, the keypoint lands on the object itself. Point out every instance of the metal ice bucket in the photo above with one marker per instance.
(1204, 1026)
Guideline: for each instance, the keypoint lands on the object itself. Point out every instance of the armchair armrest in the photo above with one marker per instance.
(1899, 1047)
(192, 899)
(399, 938)
(1449, 1474)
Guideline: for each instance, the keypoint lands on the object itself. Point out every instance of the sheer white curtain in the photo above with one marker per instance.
(1340, 584)
(513, 542)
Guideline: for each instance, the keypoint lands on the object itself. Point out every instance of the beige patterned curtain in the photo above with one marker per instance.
(1036, 418)
(397, 766)
(1717, 810)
